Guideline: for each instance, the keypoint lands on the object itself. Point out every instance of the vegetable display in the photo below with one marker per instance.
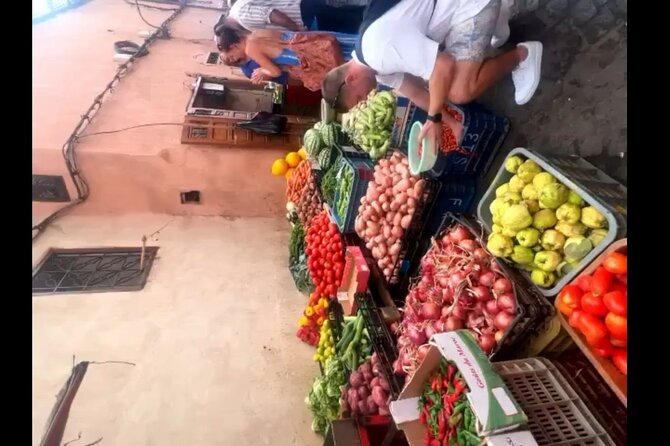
(326, 348)
(296, 184)
(326, 258)
(329, 181)
(540, 224)
(597, 306)
(346, 182)
(387, 209)
(445, 411)
(298, 260)
(370, 123)
(461, 286)
(324, 396)
(310, 202)
(354, 345)
(312, 319)
(367, 392)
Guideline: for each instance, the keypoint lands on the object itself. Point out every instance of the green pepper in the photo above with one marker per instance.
(470, 437)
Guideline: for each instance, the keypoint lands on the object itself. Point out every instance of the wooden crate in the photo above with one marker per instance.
(222, 131)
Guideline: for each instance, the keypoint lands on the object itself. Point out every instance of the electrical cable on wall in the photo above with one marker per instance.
(69, 154)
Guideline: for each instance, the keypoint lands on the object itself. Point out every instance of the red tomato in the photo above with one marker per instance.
(593, 303)
(620, 343)
(623, 278)
(616, 302)
(584, 282)
(592, 327)
(570, 296)
(617, 325)
(564, 308)
(620, 360)
(619, 286)
(616, 263)
(574, 318)
(602, 347)
(602, 281)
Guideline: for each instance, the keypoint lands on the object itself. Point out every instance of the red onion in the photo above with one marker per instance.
(459, 312)
(502, 285)
(481, 254)
(397, 367)
(443, 281)
(439, 326)
(482, 293)
(503, 320)
(475, 320)
(468, 244)
(459, 233)
(429, 330)
(487, 278)
(445, 312)
(430, 310)
(487, 342)
(456, 278)
(453, 323)
(492, 307)
(418, 337)
(394, 327)
(507, 302)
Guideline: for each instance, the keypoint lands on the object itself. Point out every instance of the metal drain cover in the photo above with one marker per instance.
(93, 270)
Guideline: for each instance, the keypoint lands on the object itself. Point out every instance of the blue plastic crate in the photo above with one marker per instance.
(457, 195)
(363, 174)
(483, 135)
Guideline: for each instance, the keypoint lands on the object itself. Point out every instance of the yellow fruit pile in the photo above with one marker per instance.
(326, 347)
(284, 166)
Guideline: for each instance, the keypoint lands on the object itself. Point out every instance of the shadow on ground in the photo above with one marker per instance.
(580, 107)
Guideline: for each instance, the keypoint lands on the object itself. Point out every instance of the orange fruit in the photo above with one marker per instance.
(279, 167)
(293, 159)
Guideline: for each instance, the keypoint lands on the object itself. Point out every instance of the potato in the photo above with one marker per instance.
(404, 208)
(387, 272)
(387, 231)
(380, 264)
(389, 216)
(401, 198)
(373, 228)
(381, 249)
(394, 206)
(397, 219)
(405, 222)
(377, 207)
(418, 188)
(397, 231)
(382, 198)
(378, 238)
(401, 186)
(395, 249)
(386, 207)
(411, 203)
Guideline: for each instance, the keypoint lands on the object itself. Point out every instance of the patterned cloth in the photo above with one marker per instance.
(470, 40)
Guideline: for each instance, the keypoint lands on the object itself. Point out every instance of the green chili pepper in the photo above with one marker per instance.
(471, 438)
(467, 415)
(455, 419)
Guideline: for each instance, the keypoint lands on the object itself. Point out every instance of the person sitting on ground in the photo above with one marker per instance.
(295, 15)
(434, 52)
(306, 56)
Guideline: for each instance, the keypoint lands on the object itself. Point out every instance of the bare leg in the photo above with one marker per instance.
(472, 79)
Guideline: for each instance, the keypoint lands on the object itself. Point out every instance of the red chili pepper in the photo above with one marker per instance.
(435, 442)
(450, 372)
(426, 438)
(459, 386)
(422, 417)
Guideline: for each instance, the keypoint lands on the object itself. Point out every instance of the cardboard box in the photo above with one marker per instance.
(354, 279)
(490, 399)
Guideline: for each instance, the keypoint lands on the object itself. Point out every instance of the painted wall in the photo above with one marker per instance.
(140, 170)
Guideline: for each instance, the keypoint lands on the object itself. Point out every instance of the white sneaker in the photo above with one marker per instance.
(501, 33)
(526, 76)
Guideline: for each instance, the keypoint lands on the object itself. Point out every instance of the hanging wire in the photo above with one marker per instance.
(69, 153)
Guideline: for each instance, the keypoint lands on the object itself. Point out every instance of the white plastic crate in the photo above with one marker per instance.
(556, 414)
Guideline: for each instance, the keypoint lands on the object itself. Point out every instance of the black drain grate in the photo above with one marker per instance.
(50, 188)
(93, 270)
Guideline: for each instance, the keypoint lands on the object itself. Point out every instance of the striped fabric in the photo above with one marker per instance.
(255, 14)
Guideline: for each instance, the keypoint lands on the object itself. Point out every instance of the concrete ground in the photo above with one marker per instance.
(212, 336)
(580, 107)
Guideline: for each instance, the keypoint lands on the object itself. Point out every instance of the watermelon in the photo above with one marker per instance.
(324, 158)
(312, 142)
(329, 134)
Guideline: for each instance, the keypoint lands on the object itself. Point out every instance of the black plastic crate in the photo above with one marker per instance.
(456, 195)
(596, 394)
(382, 341)
(483, 135)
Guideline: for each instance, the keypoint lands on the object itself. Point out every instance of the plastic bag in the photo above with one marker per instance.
(300, 274)
(265, 123)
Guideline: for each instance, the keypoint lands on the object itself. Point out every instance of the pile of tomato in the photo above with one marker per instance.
(312, 319)
(596, 305)
(325, 256)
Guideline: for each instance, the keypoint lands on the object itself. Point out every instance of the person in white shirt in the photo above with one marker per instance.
(407, 44)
